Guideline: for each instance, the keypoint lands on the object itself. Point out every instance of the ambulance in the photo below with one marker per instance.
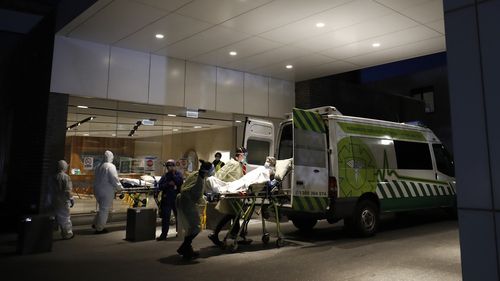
(353, 168)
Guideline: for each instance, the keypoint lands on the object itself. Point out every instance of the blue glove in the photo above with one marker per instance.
(71, 202)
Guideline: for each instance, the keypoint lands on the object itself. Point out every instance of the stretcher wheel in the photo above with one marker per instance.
(280, 242)
(265, 238)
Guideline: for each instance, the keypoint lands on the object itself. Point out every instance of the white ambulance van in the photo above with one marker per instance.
(353, 168)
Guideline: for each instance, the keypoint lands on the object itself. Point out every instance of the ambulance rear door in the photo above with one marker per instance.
(310, 160)
(258, 139)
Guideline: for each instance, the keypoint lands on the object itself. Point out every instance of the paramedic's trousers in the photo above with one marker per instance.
(225, 220)
(167, 207)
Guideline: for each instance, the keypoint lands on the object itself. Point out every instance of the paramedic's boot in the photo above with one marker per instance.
(215, 239)
(162, 237)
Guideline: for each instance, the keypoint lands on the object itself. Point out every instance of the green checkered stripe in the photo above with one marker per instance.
(409, 194)
(310, 204)
(308, 120)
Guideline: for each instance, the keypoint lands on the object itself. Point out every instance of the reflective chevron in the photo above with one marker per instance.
(409, 189)
(310, 204)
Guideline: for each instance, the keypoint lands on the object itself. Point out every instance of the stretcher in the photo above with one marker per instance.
(268, 197)
(138, 196)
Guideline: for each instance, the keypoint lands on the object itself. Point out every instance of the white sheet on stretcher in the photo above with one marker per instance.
(256, 176)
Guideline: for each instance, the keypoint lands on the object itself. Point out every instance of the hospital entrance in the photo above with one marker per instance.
(142, 138)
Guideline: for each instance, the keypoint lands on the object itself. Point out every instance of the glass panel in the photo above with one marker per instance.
(444, 160)
(310, 148)
(413, 155)
(258, 150)
(286, 143)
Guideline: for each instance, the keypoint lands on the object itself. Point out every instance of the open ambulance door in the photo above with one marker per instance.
(258, 139)
(310, 163)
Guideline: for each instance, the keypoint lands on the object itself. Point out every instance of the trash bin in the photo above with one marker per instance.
(35, 234)
(141, 224)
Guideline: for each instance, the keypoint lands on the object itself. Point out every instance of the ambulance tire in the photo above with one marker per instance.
(366, 219)
(304, 224)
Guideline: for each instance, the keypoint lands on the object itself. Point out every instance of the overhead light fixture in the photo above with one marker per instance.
(233, 53)
(376, 45)
(80, 122)
(136, 126)
(289, 66)
(320, 25)
(159, 36)
(171, 115)
(82, 106)
(175, 130)
(197, 127)
(86, 135)
(238, 121)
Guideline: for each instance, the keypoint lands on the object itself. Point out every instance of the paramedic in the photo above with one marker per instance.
(169, 185)
(233, 170)
(217, 162)
(61, 199)
(106, 183)
(188, 211)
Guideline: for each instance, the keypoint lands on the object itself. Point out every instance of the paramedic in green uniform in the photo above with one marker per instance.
(188, 202)
(233, 170)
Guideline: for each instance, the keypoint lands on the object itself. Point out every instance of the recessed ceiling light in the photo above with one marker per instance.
(289, 66)
(376, 45)
(320, 25)
(82, 106)
(159, 36)
(233, 53)
(171, 115)
(197, 127)
(238, 121)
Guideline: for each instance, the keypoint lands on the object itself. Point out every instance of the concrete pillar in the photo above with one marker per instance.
(473, 44)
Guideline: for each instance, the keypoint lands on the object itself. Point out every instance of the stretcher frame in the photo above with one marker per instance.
(136, 192)
(271, 197)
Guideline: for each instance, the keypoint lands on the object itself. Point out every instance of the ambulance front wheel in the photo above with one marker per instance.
(366, 219)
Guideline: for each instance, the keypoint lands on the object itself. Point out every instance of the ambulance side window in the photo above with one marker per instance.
(444, 161)
(285, 149)
(413, 155)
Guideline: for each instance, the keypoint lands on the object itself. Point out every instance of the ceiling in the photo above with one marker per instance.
(269, 34)
(117, 119)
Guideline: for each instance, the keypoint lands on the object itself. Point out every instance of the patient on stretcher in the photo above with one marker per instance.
(260, 175)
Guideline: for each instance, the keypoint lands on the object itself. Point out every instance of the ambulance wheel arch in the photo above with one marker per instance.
(365, 217)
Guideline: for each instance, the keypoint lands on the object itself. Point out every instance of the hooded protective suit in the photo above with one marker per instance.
(106, 183)
(60, 195)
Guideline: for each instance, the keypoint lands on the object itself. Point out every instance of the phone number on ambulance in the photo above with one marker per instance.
(310, 193)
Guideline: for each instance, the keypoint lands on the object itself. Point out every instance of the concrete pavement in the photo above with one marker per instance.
(415, 247)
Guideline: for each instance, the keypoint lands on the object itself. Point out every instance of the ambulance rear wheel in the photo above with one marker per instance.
(304, 224)
(366, 218)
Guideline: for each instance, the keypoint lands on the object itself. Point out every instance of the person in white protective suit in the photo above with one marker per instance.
(106, 184)
(61, 199)
(188, 213)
